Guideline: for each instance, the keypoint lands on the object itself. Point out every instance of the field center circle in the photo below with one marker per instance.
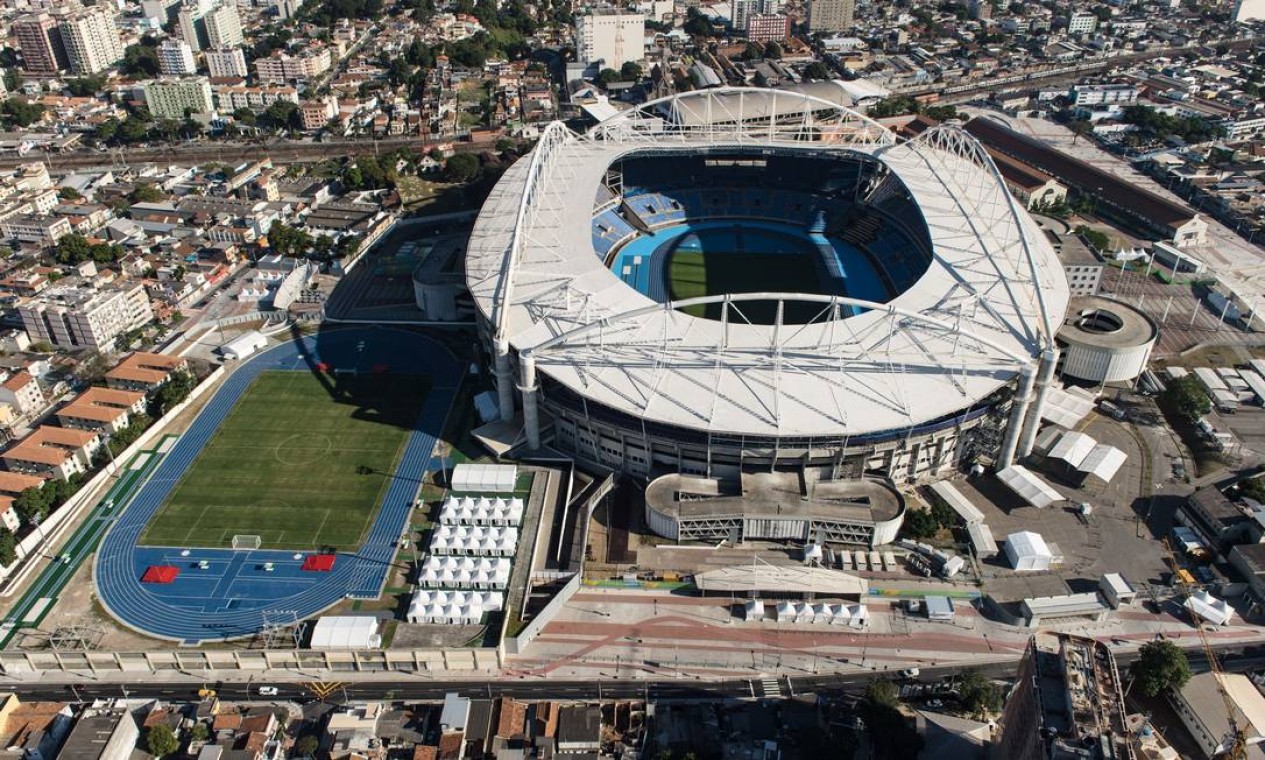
(319, 446)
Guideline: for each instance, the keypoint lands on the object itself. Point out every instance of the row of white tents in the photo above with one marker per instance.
(474, 541)
(1085, 455)
(853, 615)
(481, 510)
(453, 607)
(465, 573)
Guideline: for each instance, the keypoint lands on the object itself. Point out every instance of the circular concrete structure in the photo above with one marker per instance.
(1105, 341)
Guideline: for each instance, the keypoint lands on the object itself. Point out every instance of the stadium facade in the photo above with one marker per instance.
(925, 337)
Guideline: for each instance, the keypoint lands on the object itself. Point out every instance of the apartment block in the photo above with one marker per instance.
(280, 67)
(144, 371)
(175, 58)
(610, 37)
(92, 41)
(76, 317)
(830, 15)
(39, 39)
(226, 63)
(171, 99)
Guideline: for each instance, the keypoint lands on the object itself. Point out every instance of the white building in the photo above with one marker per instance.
(171, 99)
(175, 58)
(612, 38)
(92, 41)
(208, 24)
(25, 228)
(74, 317)
(830, 15)
(1081, 22)
(1203, 711)
(1249, 10)
(1088, 95)
(1028, 551)
(281, 67)
(226, 63)
(231, 99)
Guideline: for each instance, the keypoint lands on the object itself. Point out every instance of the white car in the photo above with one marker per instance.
(267, 691)
(910, 673)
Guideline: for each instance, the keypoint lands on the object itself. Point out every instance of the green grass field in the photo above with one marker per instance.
(694, 273)
(293, 465)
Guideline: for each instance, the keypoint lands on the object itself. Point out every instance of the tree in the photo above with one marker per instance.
(606, 76)
(141, 60)
(161, 740)
(979, 695)
(696, 24)
(85, 87)
(1185, 397)
(773, 50)
(1097, 240)
(1080, 128)
(753, 51)
(1161, 665)
(919, 524)
(816, 70)
(21, 113)
(631, 70)
(462, 167)
(199, 732)
(307, 745)
(69, 194)
(892, 735)
(8, 547)
(175, 390)
(145, 193)
(12, 79)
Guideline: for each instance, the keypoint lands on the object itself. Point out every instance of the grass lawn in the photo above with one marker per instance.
(694, 273)
(289, 463)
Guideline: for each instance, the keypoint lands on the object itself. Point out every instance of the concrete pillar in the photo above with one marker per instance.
(1018, 411)
(504, 379)
(1045, 378)
(527, 385)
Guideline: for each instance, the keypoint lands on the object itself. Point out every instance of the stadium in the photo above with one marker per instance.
(737, 280)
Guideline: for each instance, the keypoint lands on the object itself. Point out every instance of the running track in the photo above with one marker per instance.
(230, 599)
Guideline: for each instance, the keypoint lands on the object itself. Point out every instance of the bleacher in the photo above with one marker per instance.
(609, 228)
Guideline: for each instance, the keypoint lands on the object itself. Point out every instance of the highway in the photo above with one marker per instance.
(421, 688)
(82, 543)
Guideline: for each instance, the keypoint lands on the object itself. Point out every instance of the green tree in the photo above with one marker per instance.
(32, 503)
(12, 79)
(918, 524)
(892, 735)
(132, 129)
(696, 24)
(160, 740)
(175, 390)
(85, 87)
(1161, 665)
(8, 547)
(307, 745)
(773, 50)
(282, 115)
(816, 70)
(141, 60)
(897, 105)
(199, 732)
(1080, 128)
(631, 70)
(1186, 398)
(606, 76)
(20, 113)
(69, 194)
(980, 696)
(754, 51)
(462, 167)
(1099, 241)
(145, 193)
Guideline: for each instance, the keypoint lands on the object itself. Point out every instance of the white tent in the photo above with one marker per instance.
(1028, 486)
(960, 504)
(1067, 408)
(1210, 608)
(1103, 462)
(346, 632)
(786, 611)
(822, 613)
(1072, 447)
(484, 478)
(1028, 551)
(753, 609)
(859, 615)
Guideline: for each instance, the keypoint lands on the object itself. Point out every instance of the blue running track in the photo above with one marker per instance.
(230, 597)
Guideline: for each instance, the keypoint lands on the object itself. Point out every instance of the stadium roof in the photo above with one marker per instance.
(988, 302)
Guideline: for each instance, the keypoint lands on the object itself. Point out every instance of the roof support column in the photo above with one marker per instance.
(527, 385)
(1049, 360)
(1018, 412)
(504, 379)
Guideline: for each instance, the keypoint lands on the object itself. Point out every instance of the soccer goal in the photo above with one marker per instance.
(246, 542)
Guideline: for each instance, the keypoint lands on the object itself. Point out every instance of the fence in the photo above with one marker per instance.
(195, 661)
(54, 526)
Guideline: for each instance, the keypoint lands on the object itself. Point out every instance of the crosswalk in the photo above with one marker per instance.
(770, 687)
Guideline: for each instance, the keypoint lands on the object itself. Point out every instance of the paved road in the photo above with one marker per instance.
(83, 542)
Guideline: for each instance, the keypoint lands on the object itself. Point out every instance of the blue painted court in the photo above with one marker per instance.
(225, 593)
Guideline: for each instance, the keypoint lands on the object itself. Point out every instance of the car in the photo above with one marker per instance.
(64, 559)
(910, 673)
(267, 691)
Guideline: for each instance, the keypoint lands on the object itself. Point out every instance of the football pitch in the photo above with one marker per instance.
(302, 461)
(694, 273)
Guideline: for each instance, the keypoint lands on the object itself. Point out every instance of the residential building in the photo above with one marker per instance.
(830, 15)
(1089, 95)
(105, 410)
(743, 10)
(76, 317)
(33, 730)
(162, 12)
(282, 67)
(229, 99)
(175, 58)
(26, 228)
(39, 39)
(102, 734)
(1067, 696)
(208, 24)
(12, 484)
(611, 37)
(317, 113)
(92, 40)
(22, 392)
(1082, 22)
(1220, 522)
(579, 729)
(768, 27)
(226, 63)
(1249, 560)
(1081, 267)
(1203, 711)
(57, 451)
(143, 371)
(172, 99)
